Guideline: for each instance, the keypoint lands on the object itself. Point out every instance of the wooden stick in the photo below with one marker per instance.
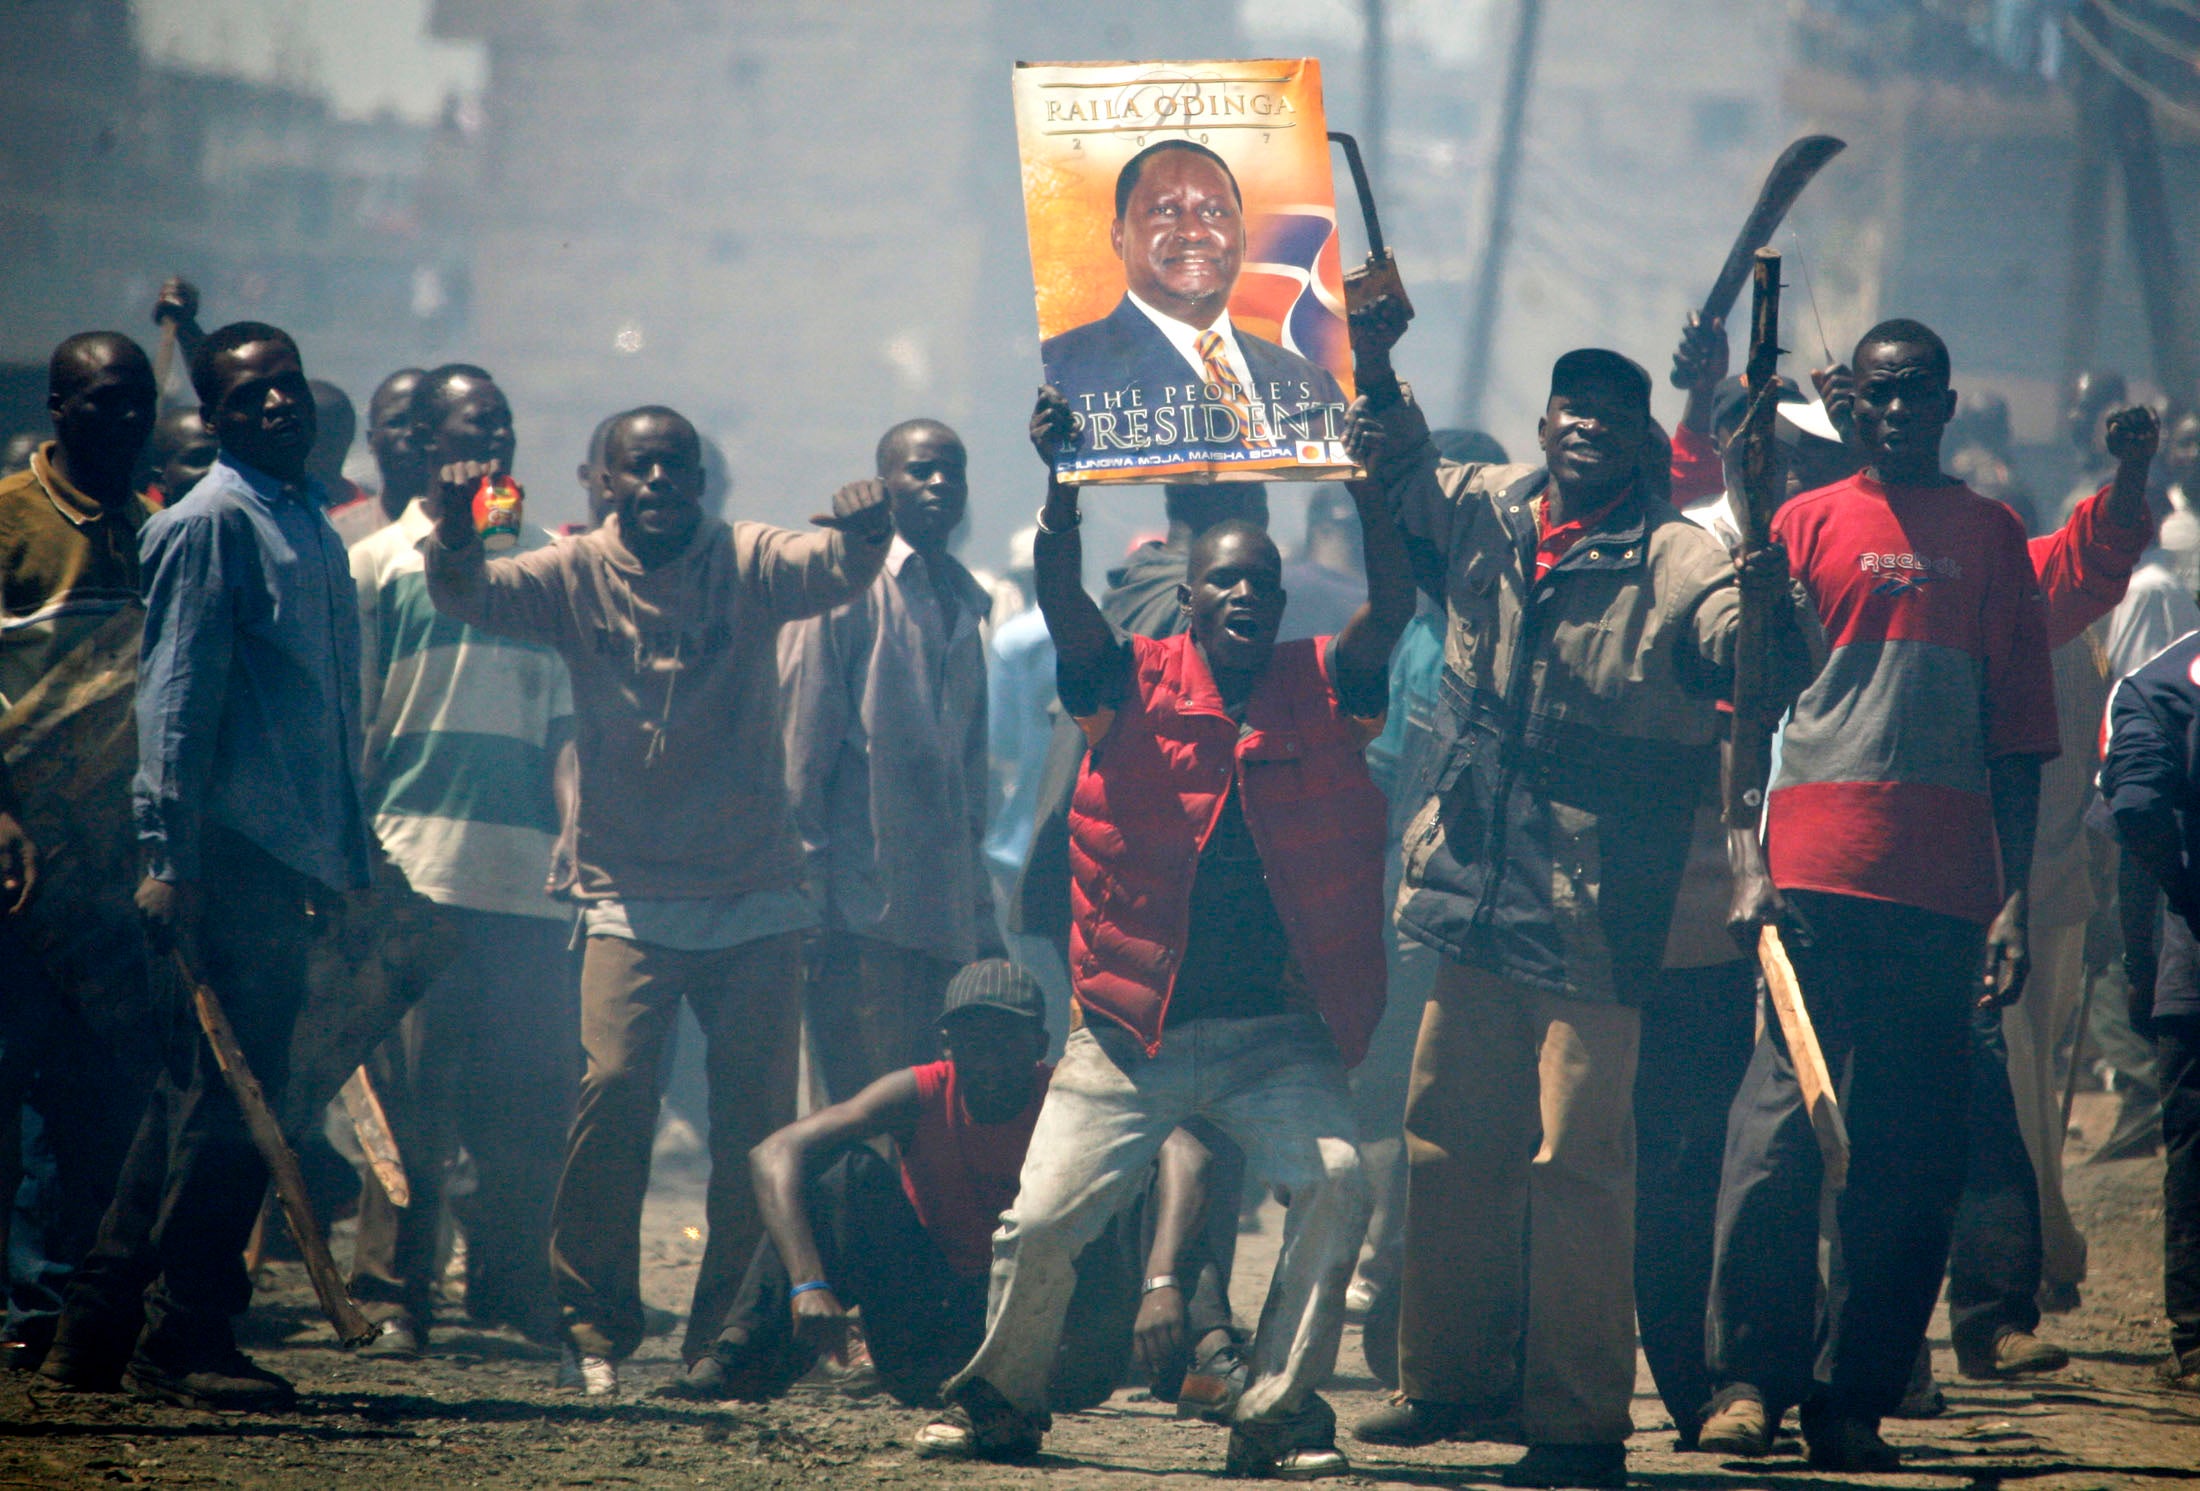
(352, 1326)
(1811, 1071)
(363, 1106)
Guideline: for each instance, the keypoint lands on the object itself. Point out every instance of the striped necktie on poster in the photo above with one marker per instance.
(1221, 378)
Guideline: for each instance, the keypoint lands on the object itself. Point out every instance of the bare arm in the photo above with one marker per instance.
(1699, 362)
(1084, 643)
(780, 1167)
(2014, 784)
(1180, 1200)
(2133, 435)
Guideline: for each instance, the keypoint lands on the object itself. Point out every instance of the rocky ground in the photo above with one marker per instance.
(482, 1411)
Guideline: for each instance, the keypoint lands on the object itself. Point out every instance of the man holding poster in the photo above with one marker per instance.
(1200, 335)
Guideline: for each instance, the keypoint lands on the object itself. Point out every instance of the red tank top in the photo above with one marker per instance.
(961, 1175)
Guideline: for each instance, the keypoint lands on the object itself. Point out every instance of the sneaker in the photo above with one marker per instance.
(232, 1383)
(1569, 1465)
(594, 1376)
(850, 1370)
(980, 1424)
(2015, 1353)
(1411, 1422)
(1300, 1448)
(1211, 1389)
(1738, 1425)
(1842, 1442)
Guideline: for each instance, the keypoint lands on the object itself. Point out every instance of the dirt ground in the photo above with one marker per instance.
(482, 1411)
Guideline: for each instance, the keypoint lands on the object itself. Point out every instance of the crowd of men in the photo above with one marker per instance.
(1392, 878)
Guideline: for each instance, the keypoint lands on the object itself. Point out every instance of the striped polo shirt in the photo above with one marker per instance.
(1938, 665)
(458, 738)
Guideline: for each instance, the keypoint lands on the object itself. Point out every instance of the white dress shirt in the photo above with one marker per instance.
(1186, 341)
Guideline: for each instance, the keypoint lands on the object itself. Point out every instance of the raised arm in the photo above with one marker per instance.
(806, 574)
(521, 596)
(1084, 643)
(1363, 648)
(781, 1166)
(2084, 567)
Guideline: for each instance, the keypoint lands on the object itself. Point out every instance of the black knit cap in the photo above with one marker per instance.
(1600, 365)
(994, 983)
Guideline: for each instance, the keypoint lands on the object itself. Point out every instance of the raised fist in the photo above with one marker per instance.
(179, 301)
(2133, 435)
(449, 499)
(1054, 427)
(1700, 360)
(859, 510)
(1377, 326)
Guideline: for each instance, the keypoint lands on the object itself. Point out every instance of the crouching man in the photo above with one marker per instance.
(910, 1243)
(1226, 951)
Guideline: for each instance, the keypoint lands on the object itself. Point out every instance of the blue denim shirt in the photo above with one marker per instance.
(248, 681)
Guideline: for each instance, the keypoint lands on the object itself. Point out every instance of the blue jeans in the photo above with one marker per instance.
(1273, 1084)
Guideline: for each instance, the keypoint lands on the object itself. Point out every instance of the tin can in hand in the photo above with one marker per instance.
(498, 502)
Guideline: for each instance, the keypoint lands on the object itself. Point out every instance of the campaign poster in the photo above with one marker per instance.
(1184, 248)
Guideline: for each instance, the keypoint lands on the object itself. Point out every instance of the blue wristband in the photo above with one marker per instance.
(801, 1289)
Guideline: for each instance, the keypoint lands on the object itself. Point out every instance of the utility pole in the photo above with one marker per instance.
(1375, 88)
(1504, 184)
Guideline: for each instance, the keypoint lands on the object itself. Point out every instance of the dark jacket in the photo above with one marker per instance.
(1577, 721)
(1124, 355)
(2150, 777)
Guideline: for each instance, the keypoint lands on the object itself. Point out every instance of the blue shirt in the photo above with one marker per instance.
(248, 680)
(1020, 721)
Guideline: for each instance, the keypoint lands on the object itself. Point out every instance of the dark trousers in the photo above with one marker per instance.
(1995, 1255)
(78, 1096)
(923, 1321)
(872, 1008)
(748, 1001)
(1696, 1031)
(172, 1242)
(490, 1060)
(1889, 989)
(2177, 1058)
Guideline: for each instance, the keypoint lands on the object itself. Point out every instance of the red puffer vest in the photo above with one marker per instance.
(1148, 796)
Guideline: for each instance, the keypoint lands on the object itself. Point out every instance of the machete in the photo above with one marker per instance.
(1789, 175)
(1376, 280)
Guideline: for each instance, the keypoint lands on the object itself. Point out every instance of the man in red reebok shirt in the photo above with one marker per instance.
(1899, 835)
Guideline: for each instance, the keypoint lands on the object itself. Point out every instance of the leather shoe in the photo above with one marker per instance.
(1737, 1425)
(2015, 1353)
(1410, 1422)
(1596, 1465)
(231, 1383)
